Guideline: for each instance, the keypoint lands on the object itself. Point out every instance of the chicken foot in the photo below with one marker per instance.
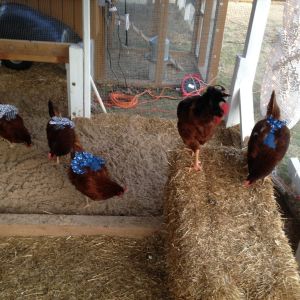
(11, 145)
(87, 202)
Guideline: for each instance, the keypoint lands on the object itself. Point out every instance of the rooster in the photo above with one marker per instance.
(90, 176)
(60, 134)
(268, 143)
(199, 115)
(12, 126)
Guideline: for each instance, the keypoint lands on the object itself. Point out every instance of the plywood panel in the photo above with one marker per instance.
(44, 7)
(68, 12)
(34, 4)
(78, 16)
(21, 1)
(57, 9)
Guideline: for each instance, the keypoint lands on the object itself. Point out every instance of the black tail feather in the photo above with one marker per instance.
(273, 108)
(51, 109)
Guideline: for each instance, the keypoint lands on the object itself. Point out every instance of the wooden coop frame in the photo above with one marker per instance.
(87, 19)
(77, 14)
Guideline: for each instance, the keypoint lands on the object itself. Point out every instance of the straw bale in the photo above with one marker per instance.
(97, 267)
(225, 241)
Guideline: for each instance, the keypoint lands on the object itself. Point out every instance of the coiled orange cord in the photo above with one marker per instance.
(129, 101)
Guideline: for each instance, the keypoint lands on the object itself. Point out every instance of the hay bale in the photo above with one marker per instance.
(225, 241)
(94, 267)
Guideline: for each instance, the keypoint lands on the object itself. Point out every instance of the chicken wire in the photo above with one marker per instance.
(131, 54)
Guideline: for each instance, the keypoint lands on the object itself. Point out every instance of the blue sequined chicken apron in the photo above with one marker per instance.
(275, 125)
(84, 160)
(8, 112)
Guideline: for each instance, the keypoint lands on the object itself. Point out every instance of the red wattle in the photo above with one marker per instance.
(225, 108)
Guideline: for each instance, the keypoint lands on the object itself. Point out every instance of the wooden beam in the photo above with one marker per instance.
(205, 32)
(75, 81)
(155, 17)
(98, 34)
(213, 65)
(197, 25)
(66, 225)
(34, 51)
(163, 28)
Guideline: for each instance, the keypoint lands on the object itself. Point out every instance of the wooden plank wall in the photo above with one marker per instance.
(70, 13)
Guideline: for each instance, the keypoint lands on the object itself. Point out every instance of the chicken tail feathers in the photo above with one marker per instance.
(53, 111)
(273, 108)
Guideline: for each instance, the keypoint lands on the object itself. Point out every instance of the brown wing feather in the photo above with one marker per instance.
(96, 185)
(195, 130)
(14, 130)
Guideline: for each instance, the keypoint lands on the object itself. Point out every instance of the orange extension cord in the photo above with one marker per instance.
(129, 101)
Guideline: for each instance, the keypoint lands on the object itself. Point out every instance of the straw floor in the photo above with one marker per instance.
(82, 268)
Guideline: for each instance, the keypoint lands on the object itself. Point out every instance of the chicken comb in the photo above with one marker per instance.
(8, 112)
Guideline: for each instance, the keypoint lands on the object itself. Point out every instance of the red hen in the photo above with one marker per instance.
(268, 143)
(198, 116)
(12, 126)
(90, 176)
(60, 134)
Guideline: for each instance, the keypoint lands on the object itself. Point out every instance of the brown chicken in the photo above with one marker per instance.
(60, 134)
(90, 176)
(198, 116)
(268, 143)
(12, 126)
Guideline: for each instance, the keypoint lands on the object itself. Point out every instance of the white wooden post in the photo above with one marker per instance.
(294, 173)
(75, 81)
(181, 4)
(86, 59)
(241, 104)
(298, 254)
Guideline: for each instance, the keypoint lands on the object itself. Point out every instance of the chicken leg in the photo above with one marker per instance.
(197, 165)
(87, 202)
